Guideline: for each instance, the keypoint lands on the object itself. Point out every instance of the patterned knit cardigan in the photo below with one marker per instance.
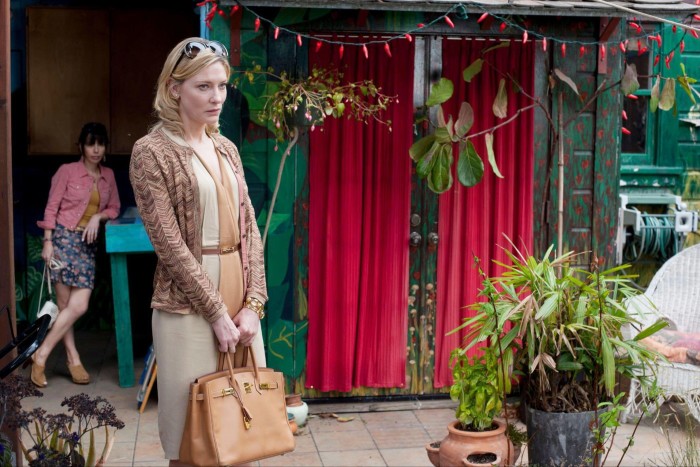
(167, 196)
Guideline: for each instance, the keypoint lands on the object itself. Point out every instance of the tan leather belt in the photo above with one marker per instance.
(221, 251)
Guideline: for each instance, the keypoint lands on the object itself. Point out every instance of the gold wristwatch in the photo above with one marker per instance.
(256, 305)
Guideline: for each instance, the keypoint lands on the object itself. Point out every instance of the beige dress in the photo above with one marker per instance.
(186, 347)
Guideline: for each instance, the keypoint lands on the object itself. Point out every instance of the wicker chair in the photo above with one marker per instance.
(675, 292)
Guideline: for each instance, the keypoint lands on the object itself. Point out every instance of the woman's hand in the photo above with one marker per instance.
(92, 229)
(248, 324)
(226, 333)
(47, 251)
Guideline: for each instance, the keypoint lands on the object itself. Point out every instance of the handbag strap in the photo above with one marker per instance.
(45, 278)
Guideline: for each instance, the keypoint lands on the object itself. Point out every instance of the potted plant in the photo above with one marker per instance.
(476, 437)
(566, 341)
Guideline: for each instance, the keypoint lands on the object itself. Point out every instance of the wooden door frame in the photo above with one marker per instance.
(7, 273)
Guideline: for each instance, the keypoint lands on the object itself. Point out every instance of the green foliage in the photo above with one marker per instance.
(476, 388)
(629, 84)
(306, 102)
(567, 330)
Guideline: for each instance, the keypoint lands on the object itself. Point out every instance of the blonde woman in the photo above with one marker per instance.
(209, 287)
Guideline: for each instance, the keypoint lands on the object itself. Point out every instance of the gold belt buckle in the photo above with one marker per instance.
(226, 250)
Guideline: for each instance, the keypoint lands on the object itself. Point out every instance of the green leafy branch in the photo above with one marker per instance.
(433, 153)
(308, 101)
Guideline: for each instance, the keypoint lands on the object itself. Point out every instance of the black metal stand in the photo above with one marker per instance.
(30, 339)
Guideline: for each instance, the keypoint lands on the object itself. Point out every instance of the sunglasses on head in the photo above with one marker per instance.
(192, 49)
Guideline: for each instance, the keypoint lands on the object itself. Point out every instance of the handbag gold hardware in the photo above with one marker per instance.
(268, 386)
(248, 388)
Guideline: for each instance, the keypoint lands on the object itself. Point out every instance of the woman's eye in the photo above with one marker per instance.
(203, 87)
(222, 86)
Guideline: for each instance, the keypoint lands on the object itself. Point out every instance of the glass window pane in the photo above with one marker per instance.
(642, 62)
(636, 123)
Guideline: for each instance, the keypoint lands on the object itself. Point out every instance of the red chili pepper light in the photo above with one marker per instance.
(622, 47)
(365, 51)
(603, 50)
(636, 27)
(341, 50)
(582, 51)
(544, 44)
(624, 115)
(682, 46)
(639, 45)
(449, 21)
(668, 62)
(563, 50)
(257, 24)
(408, 37)
(234, 9)
(299, 39)
(502, 27)
(696, 17)
(277, 32)
(524, 37)
(674, 28)
(642, 51)
(632, 96)
(626, 131)
(656, 60)
(421, 25)
(387, 49)
(482, 17)
(319, 44)
(694, 33)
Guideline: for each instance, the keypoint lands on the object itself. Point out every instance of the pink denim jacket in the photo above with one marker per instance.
(70, 194)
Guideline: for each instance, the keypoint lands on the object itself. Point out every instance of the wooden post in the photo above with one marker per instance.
(560, 178)
(7, 262)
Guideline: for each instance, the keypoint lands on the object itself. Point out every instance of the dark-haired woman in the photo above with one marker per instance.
(83, 195)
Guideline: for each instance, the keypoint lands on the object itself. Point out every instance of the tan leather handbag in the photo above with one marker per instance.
(236, 415)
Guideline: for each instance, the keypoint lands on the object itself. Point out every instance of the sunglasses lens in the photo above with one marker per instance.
(218, 48)
(193, 48)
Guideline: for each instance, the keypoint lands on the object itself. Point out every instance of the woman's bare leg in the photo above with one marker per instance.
(75, 307)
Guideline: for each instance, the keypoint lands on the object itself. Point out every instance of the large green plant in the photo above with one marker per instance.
(566, 336)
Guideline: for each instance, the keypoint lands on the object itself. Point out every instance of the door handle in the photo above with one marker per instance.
(415, 239)
(433, 238)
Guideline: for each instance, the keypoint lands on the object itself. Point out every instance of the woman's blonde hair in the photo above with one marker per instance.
(166, 106)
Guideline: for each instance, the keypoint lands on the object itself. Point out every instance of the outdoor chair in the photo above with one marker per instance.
(673, 295)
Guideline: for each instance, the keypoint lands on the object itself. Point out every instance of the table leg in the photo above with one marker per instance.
(122, 319)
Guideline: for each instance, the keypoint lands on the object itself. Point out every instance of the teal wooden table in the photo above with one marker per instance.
(124, 235)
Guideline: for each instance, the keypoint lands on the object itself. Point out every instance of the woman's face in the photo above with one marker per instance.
(94, 152)
(202, 96)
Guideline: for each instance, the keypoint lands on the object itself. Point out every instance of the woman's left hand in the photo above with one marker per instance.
(248, 323)
(92, 229)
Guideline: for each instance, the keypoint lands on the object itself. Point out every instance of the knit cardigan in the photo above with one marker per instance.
(167, 196)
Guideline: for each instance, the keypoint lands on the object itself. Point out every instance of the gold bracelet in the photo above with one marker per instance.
(256, 305)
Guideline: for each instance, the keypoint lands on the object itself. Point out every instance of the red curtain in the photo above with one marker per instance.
(474, 220)
(359, 207)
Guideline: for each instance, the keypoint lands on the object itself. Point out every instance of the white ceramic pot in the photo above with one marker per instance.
(300, 412)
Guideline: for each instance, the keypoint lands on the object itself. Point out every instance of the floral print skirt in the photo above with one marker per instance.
(77, 258)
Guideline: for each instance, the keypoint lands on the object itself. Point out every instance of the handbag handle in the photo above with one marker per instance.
(225, 358)
(45, 278)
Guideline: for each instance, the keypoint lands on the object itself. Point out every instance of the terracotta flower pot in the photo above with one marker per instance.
(292, 399)
(433, 450)
(458, 444)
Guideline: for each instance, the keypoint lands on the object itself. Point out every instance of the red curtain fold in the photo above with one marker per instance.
(359, 207)
(475, 220)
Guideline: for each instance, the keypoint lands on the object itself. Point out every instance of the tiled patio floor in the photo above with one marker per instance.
(377, 435)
